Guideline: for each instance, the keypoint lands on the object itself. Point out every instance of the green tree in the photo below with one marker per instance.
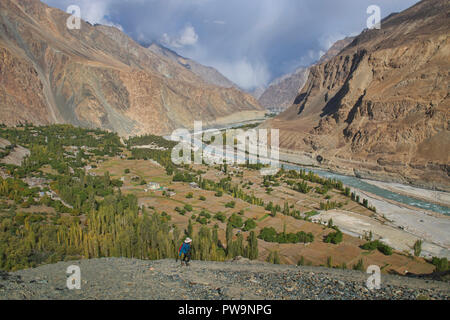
(189, 229)
(359, 265)
(329, 262)
(441, 264)
(252, 247)
(417, 248)
(229, 237)
(249, 225)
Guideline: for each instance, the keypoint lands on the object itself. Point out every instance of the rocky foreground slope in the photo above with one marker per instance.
(380, 108)
(118, 278)
(99, 77)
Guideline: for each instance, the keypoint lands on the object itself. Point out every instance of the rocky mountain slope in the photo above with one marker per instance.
(281, 93)
(122, 279)
(208, 74)
(257, 92)
(335, 49)
(99, 77)
(380, 108)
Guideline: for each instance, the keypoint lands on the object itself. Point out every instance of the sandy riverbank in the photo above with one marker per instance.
(409, 223)
(438, 197)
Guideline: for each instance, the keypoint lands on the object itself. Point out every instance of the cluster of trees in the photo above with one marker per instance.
(163, 157)
(273, 257)
(17, 190)
(269, 234)
(54, 136)
(118, 228)
(148, 140)
(6, 151)
(236, 221)
(230, 204)
(183, 176)
(220, 216)
(330, 205)
(314, 178)
(23, 195)
(359, 266)
(203, 217)
(249, 224)
(180, 211)
(47, 146)
(376, 244)
(326, 185)
(441, 264)
(81, 191)
(225, 186)
(335, 237)
(236, 247)
(365, 202)
(286, 210)
(301, 187)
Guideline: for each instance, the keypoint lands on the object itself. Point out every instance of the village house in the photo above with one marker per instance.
(194, 185)
(153, 186)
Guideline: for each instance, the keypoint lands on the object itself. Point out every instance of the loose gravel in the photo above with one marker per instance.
(131, 279)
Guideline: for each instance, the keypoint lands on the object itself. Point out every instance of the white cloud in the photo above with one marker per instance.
(327, 41)
(310, 57)
(97, 12)
(187, 37)
(246, 74)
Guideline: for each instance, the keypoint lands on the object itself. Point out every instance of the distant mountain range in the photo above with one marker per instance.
(99, 77)
(380, 107)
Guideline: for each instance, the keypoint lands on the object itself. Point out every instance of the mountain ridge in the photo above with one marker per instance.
(281, 92)
(379, 109)
(207, 73)
(100, 77)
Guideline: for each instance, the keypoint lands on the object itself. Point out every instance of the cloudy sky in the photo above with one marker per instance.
(249, 41)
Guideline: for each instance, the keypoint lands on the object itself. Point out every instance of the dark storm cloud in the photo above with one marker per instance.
(249, 41)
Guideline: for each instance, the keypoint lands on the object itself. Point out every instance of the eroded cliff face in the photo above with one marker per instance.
(281, 93)
(99, 77)
(380, 108)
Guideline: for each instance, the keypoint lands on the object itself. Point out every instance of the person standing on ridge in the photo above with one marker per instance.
(185, 249)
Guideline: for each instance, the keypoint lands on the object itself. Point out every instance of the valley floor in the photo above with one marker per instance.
(398, 224)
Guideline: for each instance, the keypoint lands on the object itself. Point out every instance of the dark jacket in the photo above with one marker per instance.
(185, 248)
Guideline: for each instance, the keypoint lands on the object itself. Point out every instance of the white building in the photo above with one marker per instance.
(153, 186)
(194, 185)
